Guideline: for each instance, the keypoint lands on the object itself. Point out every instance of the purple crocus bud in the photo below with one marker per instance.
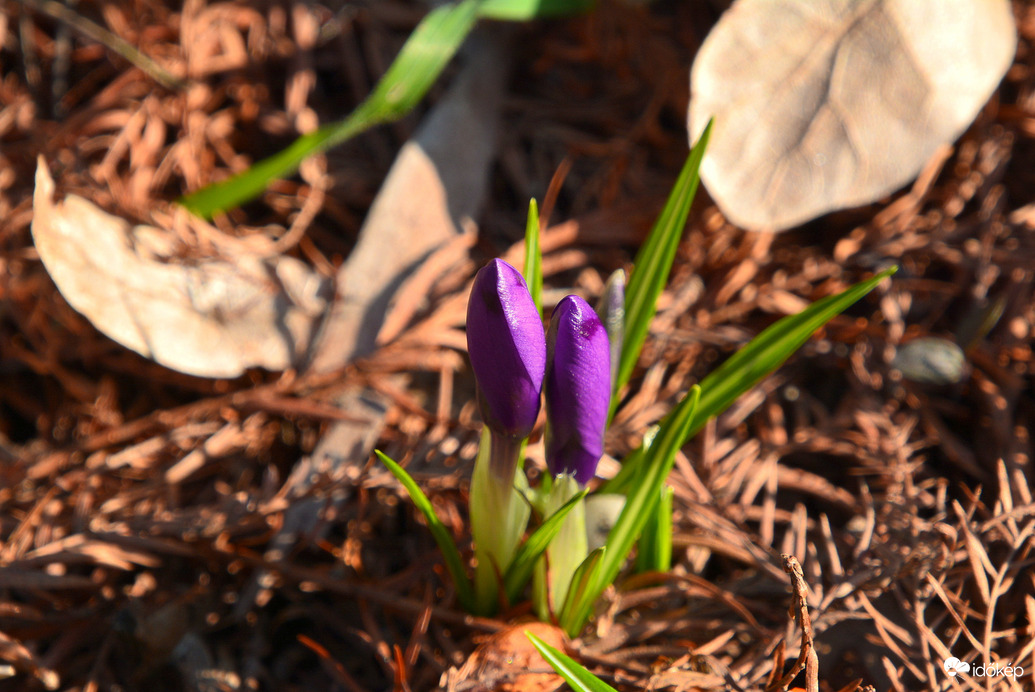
(508, 350)
(578, 389)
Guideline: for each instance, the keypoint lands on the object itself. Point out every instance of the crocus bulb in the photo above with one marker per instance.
(578, 389)
(508, 349)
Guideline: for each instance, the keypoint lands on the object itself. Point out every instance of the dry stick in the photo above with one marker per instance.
(807, 658)
(310, 208)
(332, 666)
(779, 658)
(98, 33)
(420, 630)
(553, 191)
(997, 589)
(401, 682)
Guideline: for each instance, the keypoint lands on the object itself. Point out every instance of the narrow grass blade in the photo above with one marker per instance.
(534, 256)
(645, 492)
(520, 570)
(580, 581)
(744, 369)
(523, 10)
(768, 351)
(654, 550)
(422, 58)
(654, 261)
(580, 679)
(464, 590)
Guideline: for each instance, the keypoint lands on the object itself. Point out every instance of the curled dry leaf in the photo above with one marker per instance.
(826, 105)
(508, 662)
(210, 317)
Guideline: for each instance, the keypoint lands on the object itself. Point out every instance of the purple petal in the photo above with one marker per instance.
(507, 347)
(578, 389)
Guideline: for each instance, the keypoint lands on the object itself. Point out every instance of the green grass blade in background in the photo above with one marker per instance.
(768, 351)
(577, 677)
(654, 261)
(523, 10)
(643, 495)
(423, 57)
(520, 570)
(455, 565)
(534, 256)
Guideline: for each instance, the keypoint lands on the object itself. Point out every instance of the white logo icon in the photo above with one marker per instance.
(953, 665)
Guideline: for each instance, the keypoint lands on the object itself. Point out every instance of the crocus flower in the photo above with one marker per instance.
(508, 354)
(578, 389)
(508, 349)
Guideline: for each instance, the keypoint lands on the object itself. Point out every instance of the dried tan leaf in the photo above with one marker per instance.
(821, 106)
(507, 661)
(213, 317)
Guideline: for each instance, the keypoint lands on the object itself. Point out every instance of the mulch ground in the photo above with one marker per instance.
(143, 512)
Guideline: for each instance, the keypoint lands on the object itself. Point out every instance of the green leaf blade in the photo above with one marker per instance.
(654, 551)
(534, 256)
(644, 493)
(749, 365)
(523, 564)
(523, 10)
(580, 679)
(420, 61)
(455, 565)
(247, 185)
(771, 348)
(575, 606)
(654, 261)
(422, 58)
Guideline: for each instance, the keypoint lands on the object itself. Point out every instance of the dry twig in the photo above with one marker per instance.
(807, 658)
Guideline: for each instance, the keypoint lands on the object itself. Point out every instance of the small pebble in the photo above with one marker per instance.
(931, 360)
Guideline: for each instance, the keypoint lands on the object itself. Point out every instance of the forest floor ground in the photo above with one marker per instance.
(156, 531)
